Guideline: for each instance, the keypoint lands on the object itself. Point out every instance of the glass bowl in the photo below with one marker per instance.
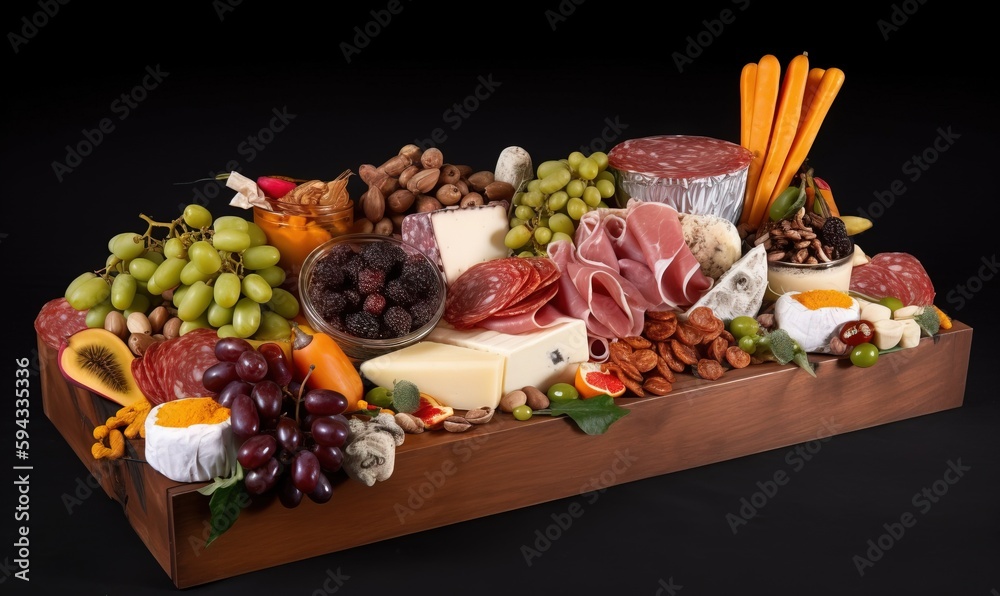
(785, 277)
(340, 277)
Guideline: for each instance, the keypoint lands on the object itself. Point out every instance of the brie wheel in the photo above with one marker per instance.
(812, 329)
(197, 453)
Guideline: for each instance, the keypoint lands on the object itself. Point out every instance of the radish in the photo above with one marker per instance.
(275, 187)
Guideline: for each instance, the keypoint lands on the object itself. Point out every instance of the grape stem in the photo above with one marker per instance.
(302, 387)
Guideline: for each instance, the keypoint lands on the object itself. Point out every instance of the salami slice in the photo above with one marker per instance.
(487, 288)
(57, 320)
(530, 303)
(911, 272)
(172, 369)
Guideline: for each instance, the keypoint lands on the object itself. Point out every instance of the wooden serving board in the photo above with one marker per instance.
(442, 478)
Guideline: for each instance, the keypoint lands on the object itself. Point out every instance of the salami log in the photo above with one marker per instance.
(173, 368)
(896, 274)
(57, 320)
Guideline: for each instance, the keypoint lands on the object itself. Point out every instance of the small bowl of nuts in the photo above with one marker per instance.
(805, 252)
(372, 294)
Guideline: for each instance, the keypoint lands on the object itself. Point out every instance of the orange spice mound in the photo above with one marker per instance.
(814, 299)
(182, 413)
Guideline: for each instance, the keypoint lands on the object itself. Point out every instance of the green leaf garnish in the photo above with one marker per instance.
(593, 415)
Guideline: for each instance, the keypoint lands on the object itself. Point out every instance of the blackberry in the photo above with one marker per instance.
(422, 312)
(370, 281)
(327, 274)
(362, 324)
(339, 254)
(329, 305)
(352, 298)
(374, 304)
(384, 256)
(352, 267)
(419, 276)
(396, 291)
(834, 233)
(397, 321)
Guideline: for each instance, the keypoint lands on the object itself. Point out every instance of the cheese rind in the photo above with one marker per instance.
(196, 453)
(459, 377)
(538, 358)
(466, 236)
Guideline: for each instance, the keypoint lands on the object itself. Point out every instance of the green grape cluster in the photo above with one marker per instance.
(217, 273)
(552, 203)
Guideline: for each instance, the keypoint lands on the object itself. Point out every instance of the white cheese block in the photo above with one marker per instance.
(539, 358)
(196, 453)
(462, 378)
(466, 236)
(813, 329)
(740, 290)
(713, 240)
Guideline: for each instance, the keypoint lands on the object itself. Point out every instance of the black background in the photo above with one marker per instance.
(558, 85)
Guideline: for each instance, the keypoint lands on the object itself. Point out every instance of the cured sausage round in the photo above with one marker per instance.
(57, 320)
(173, 368)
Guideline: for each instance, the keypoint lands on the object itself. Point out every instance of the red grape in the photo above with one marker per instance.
(262, 479)
(231, 390)
(228, 349)
(289, 495)
(324, 402)
(220, 374)
(278, 368)
(323, 491)
(243, 417)
(306, 471)
(268, 397)
(330, 458)
(255, 451)
(251, 366)
(329, 432)
(288, 434)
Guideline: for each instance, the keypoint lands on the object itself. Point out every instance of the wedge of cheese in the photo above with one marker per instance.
(740, 290)
(460, 377)
(469, 235)
(539, 358)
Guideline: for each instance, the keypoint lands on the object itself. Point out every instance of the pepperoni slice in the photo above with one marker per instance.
(709, 369)
(736, 357)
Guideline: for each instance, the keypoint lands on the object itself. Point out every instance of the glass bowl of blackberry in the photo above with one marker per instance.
(373, 294)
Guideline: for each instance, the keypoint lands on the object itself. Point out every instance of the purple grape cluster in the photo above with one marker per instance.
(289, 441)
(377, 291)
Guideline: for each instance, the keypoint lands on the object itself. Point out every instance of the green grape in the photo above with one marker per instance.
(195, 301)
(557, 236)
(532, 185)
(112, 263)
(177, 295)
(199, 323)
(602, 205)
(205, 257)
(517, 237)
(123, 289)
(606, 175)
(589, 169)
(575, 158)
(97, 314)
(601, 158)
(591, 196)
(605, 187)
(168, 274)
(516, 201)
(174, 248)
(139, 304)
(231, 222)
(284, 303)
(560, 222)
(197, 216)
(575, 208)
(231, 240)
(273, 326)
(89, 293)
(128, 245)
(543, 235)
(190, 274)
(557, 200)
(155, 256)
(547, 167)
(152, 289)
(575, 188)
(543, 222)
(227, 289)
(246, 317)
(219, 315)
(142, 268)
(260, 257)
(524, 213)
(273, 275)
(257, 235)
(522, 412)
(524, 254)
(256, 288)
(555, 181)
(533, 199)
(227, 331)
(514, 222)
(77, 281)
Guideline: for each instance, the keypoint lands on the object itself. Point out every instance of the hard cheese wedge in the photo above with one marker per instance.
(539, 358)
(469, 235)
(459, 377)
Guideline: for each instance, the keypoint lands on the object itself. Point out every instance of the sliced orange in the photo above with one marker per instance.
(591, 381)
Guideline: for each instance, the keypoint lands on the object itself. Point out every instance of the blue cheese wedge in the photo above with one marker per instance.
(714, 240)
(740, 290)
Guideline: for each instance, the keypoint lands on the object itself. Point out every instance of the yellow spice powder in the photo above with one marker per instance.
(814, 299)
(182, 413)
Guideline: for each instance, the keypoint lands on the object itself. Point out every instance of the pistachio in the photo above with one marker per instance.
(536, 398)
(432, 158)
(456, 424)
(480, 415)
(138, 322)
(512, 400)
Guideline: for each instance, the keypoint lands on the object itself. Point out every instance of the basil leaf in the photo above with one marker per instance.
(225, 508)
(593, 415)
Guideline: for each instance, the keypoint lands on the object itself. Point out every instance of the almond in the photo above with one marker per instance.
(456, 424)
(367, 173)
(471, 199)
(536, 398)
(424, 181)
